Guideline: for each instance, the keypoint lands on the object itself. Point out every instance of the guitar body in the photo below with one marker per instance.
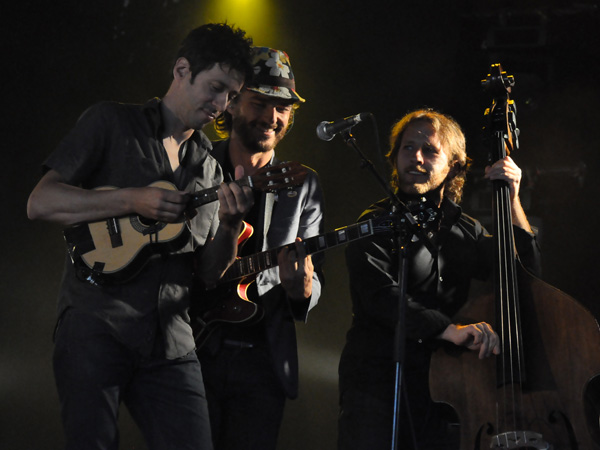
(232, 304)
(227, 303)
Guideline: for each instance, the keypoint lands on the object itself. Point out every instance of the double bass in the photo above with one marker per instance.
(543, 390)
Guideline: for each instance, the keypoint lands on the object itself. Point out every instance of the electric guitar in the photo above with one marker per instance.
(232, 302)
(116, 249)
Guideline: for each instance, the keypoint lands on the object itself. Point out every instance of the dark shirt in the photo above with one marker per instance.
(437, 289)
(120, 145)
(252, 333)
(279, 218)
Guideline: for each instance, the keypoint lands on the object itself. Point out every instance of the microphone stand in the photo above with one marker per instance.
(403, 238)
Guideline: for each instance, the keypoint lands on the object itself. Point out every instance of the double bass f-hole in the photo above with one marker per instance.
(542, 391)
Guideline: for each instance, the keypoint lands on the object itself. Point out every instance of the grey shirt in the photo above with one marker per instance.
(119, 145)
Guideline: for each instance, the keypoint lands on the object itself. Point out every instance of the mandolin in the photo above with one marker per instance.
(117, 248)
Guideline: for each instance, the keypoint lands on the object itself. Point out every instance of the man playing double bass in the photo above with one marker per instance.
(428, 156)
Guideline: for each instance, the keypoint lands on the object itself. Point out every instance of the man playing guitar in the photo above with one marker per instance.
(250, 369)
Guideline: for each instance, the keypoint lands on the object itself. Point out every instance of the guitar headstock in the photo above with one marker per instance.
(282, 176)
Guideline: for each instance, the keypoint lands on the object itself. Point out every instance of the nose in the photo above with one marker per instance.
(417, 155)
(220, 101)
(269, 115)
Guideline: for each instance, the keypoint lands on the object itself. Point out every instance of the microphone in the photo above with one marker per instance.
(327, 130)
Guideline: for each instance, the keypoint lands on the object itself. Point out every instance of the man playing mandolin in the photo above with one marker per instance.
(428, 156)
(250, 368)
(132, 341)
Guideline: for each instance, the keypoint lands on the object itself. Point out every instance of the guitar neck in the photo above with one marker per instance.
(210, 195)
(249, 265)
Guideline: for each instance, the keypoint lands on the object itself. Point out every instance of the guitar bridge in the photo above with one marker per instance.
(114, 231)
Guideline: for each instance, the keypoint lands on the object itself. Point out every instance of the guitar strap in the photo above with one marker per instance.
(81, 235)
(269, 204)
(270, 199)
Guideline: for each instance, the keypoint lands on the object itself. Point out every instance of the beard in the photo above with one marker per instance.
(432, 188)
(252, 138)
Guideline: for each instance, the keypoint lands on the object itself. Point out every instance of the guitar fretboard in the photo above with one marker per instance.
(249, 265)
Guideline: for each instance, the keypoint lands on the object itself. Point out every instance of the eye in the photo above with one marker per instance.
(217, 87)
(430, 149)
(284, 109)
(258, 105)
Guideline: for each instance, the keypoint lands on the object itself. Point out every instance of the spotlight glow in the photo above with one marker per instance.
(257, 17)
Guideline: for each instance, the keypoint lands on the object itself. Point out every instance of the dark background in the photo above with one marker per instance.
(386, 57)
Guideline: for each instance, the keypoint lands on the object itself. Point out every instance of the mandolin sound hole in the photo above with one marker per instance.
(146, 226)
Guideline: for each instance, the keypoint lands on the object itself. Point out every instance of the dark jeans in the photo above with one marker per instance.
(94, 372)
(245, 399)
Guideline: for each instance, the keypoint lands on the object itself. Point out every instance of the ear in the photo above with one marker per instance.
(181, 68)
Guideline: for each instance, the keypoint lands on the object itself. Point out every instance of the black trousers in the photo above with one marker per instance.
(245, 398)
(94, 372)
(367, 414)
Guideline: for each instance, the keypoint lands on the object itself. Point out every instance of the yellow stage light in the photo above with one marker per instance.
(257, 17)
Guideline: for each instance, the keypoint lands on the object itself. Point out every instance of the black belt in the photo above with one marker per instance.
(232, 343)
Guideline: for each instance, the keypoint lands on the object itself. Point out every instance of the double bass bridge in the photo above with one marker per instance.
(520, 440)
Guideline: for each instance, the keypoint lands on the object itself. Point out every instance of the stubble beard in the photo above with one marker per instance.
(248, 135)
(427, 189)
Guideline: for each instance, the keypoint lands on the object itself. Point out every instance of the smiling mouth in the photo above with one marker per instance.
(267, 132)
(211, 113)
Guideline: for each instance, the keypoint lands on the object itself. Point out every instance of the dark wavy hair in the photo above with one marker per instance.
(453, 141)
(217, 43)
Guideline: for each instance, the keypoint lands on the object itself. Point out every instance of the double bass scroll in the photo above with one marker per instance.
(542, 391)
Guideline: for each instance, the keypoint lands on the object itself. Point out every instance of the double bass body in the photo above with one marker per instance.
(555, 403)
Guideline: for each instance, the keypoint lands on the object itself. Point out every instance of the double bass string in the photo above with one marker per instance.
(510, 376)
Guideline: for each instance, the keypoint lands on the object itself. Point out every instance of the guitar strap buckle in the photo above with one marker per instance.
(92, 276)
